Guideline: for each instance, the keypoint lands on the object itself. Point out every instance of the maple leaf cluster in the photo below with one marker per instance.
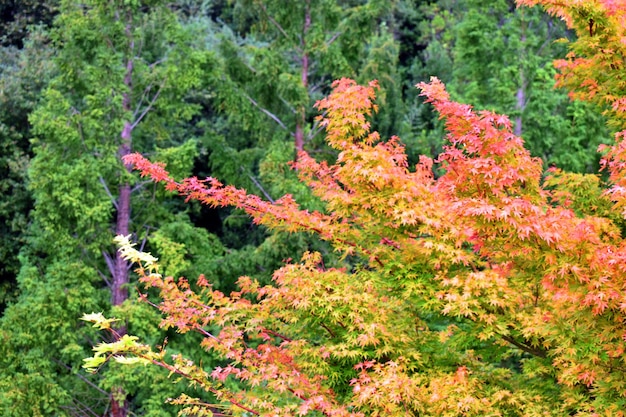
(489, 290)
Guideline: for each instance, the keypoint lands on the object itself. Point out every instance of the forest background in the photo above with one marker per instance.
(223, 89)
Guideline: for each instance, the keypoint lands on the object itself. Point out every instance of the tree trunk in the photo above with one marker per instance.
(119, 290)
(304, 62)
(520, 104)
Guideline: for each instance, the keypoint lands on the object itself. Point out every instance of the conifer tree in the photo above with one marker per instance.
(498, 57)
(124, 69)
(23, 75)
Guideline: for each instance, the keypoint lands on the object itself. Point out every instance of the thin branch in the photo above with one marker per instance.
(141, 99)
(280, 336)
(140, 185)
(259, 186)
(85, 408)
(286, 103)
(528, 349)
(315, 130)
(157, 62)
(148, 107)
(109, 261)
(144, 240)
(279, 27)
(213, 407)
(250, 67)
(313, 88)
(78, 409)
(144, 297)
(203, 384)
(205, 333)
(88, 382)
(332, 334)
(267, 112)
(106, 189)
(333, 38)
(104, 278)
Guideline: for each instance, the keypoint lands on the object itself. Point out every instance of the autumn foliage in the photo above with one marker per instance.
(489, 290)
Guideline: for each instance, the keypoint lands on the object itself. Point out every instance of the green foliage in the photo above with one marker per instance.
(23, 75)
(499, 58)
(17, 16)
(74, 179)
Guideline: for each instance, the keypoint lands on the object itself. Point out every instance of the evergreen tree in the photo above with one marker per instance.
(123, 72)
(499, 58)
(503, 62)
(24, 73)
(16, 16)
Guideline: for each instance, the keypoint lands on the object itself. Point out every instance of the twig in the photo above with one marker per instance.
(141, 99)
(148, 107)
(106, 189)
(528, 349)
(278, 26)
(332, 334)
(140, 185)
(104, 278)
(97, 388)
(280, 336)
(202, 384)
(267, 112)
(315, 130)
(286, 103)
(333, 38)
(109, 262)
(259, 186)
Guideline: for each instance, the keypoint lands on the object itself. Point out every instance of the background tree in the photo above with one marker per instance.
(499, 57)
(272, 66)
(24, 73)
(123, 72)
(17, 15)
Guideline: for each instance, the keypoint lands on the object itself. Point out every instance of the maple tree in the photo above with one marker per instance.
(482, 292)
(488, 290)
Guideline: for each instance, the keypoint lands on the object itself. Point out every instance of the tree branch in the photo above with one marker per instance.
(148, 107)
(201, 383)
(280, 336)
(315, 130)
(106, 189)
(110, 264)
(104, 278)
(333, 38)
(279, 27)
(259, 186)
(267, 112)
(88, 382)
(528, 349)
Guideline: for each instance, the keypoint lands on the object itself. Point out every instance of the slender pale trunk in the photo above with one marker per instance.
(519, 106)
(520, 97)
(304, 62)
(119, 292)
